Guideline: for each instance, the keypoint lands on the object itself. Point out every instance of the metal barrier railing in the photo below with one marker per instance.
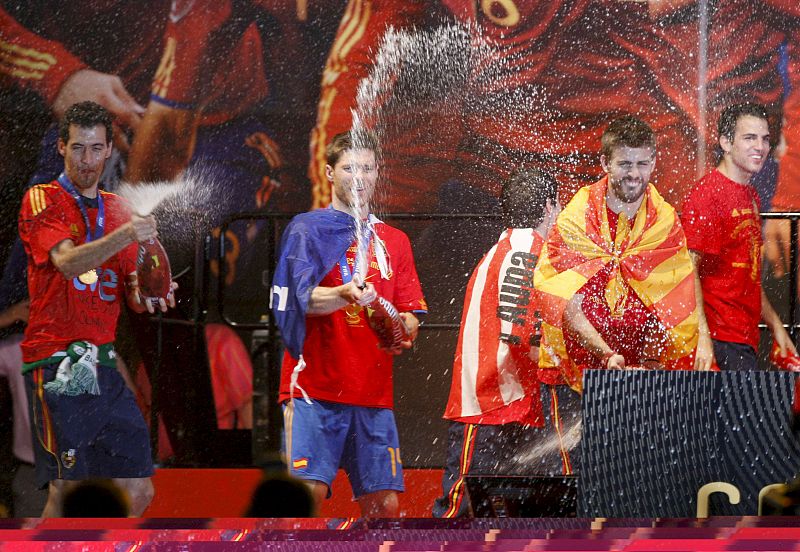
(267, 418)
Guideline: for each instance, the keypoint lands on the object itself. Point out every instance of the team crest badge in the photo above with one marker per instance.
(352, 314)
(68, 458)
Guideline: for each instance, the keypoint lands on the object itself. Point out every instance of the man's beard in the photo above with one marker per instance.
(618, 186)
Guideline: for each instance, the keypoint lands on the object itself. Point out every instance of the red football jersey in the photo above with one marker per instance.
(51, 40)
(721, 220)
(343, 361)
(787, 194)
(63, 311)
(212, 59)
(625, 331)
(561, 71)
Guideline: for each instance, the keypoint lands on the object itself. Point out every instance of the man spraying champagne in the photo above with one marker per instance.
(336, 382)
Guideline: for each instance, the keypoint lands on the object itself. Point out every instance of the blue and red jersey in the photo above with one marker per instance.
(343, 361)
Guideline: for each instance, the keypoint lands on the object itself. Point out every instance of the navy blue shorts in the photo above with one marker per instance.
(323, 436)
(734, 356)
(87, 436)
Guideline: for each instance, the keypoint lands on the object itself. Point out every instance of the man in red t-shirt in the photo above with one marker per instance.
(496, 401)
(723, 231)
(80, 247)
(349, 423)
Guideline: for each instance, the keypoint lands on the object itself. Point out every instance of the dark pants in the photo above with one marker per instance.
(734, 356)
(29, 499)
(511, 449)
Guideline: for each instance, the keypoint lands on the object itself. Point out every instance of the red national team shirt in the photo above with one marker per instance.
(361, 29)
(494, 380)
(45, 42)
(787, 194)
(343, 361)
(63, 311)
(568, 56)
(626, 332)
(231, 374)
(212, 59)
(577, 64)
(721, 221)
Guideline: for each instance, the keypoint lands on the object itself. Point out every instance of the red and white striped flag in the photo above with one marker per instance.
(498, 326)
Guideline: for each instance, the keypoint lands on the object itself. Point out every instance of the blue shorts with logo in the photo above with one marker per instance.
(321, 437)
(87, 436)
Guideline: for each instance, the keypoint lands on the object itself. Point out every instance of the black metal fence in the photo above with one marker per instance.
(215, 298)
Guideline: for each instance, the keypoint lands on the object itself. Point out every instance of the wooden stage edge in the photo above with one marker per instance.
(225, 493)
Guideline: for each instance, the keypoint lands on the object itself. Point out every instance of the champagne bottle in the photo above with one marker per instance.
(385, 321)
(153, 270)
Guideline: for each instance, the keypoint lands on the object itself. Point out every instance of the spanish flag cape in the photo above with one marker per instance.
(651, 258)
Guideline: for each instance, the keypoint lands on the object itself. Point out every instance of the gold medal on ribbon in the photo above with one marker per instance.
(89, 277)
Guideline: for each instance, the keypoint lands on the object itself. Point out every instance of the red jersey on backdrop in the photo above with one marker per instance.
(575, 55)
(494, 380)
(63, 311)
(231, 375)
(216, 38)
(577, 63)
(350, 59)
(721, 220)
(44, 43)
(343, 361)
(787, 193)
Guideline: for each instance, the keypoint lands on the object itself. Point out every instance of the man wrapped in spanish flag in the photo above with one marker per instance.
(615, 277)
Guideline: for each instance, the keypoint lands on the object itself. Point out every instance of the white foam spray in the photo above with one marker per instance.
(184, 209)
(145, 197)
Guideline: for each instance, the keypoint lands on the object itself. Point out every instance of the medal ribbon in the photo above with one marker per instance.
(370, 237)
(347, 275)
(100, 221)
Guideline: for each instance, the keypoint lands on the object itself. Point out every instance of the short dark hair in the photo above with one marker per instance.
(525, 195)
(627, 131)
(349, 140)
(726, 126)
(86, 115)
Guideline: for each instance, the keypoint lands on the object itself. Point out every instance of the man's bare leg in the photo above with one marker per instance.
(319, 492)
(55, 497)
(380, 504)
(140, 492)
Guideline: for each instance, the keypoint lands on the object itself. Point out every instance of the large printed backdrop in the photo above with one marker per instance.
(555, 73)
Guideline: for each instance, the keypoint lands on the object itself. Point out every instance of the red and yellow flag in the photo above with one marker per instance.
(651, 258)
